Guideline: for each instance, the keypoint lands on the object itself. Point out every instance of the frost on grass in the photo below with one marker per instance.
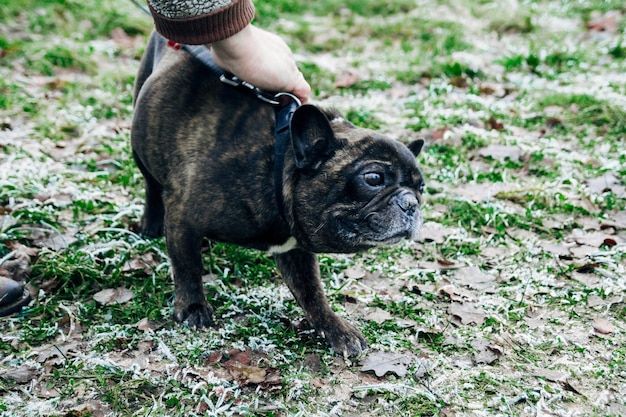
(511, 302)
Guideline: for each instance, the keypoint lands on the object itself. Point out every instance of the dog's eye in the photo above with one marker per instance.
(374, 179)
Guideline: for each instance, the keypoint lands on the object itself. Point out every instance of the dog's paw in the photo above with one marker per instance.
(344, 338)
(151, 230)
(197, 316)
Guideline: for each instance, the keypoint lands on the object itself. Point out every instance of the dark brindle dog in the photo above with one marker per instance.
(206, 151)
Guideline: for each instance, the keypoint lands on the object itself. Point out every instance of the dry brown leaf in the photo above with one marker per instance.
(582, 251)
(385, 362)
(146, 325)
(486, 352)
(603, 326)
(484, 191)
(596, 239)
(51, 238)
(354, 272)
(555, 248)
(550, 375)
(144, 262)
(109, 296)
(467, 313)
(434, 232)
(22, 375)
(595, 300)
(495, 124)
(377, 315)
(246, 374)
(617, 221)
(346, 79)
(607, 182)
(474, 278)
(92, 408)
(455, 293)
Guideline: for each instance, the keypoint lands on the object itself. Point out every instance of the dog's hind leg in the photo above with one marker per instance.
(154, 211)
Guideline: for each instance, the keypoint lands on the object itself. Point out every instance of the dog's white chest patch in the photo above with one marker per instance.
(289, 244)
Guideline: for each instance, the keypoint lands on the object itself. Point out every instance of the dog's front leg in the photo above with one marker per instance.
(301, 273)
(184, 247)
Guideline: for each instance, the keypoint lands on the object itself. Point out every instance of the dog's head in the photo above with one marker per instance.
(352, 188)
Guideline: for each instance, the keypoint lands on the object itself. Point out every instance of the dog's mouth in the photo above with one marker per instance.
(378, 230)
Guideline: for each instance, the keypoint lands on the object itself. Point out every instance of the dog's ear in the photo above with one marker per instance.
(311, 136)
(416, 146)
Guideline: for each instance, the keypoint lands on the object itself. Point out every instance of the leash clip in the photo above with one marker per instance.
(280, 98)
(264, 96)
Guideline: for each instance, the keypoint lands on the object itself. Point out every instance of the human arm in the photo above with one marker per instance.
(259, 57)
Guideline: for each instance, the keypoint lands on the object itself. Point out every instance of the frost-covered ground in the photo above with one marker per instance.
(512, 302)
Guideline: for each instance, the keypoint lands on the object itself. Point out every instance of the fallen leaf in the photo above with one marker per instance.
(52, 239)
(346, 79)
(92, 408)
(434, 232)
(354, 272)
(552, 376)
(603, 326)
(582, 251)
(484, 191)
(146, 325)
(495, 124)
(109, 296)
(486, 352)
(555, 248)
(246, 374)
(617, 221)
(377, 315)
(20, 376)
(56, 355)
(455, 293)
(467, 313)
(144, 263)
(273, 381)
(607, 182)
(597, 239)
(474, 278)
(213, 358)
(595, 300)
(384, 362)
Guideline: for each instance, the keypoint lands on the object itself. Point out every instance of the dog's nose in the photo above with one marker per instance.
(407, 202)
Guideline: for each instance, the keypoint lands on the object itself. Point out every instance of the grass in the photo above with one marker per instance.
(459, 75)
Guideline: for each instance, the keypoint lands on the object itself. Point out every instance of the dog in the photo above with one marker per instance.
(207, 154)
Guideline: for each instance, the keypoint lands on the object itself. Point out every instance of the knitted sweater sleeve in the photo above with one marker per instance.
(196, 22)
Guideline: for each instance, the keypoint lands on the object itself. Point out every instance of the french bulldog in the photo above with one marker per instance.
(207, 154)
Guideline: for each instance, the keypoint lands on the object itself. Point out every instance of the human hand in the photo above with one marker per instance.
(262, 59)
